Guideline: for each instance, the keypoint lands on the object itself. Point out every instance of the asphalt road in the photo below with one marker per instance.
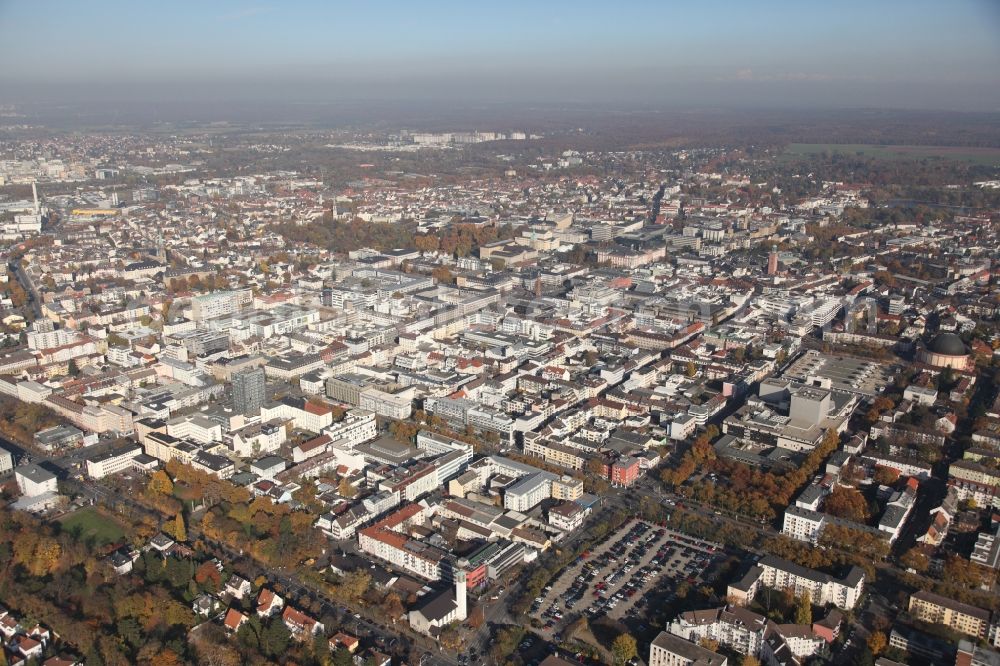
(29, 287)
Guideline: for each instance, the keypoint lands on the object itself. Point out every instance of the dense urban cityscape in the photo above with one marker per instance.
(546, 387)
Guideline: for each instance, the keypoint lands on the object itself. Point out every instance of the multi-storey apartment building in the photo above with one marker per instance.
(955, 615)
(387, 541)
(669, 650)
(112, 462)
(822, 588)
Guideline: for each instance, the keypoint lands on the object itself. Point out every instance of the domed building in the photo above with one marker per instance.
(946, 351)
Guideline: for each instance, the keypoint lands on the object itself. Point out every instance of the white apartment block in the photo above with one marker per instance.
(436, 445)
(82, 346)
(905, 466)
(822, 588)
(803, 524)
(303, 414)
(450, 465)
(528, 492)
(195, 427)
(492, 420)
(736, 628)
(33, 480)
(669, 650)
(345, 524)
(213, 464)
(6, 462)
(32, 392)
(357, 427)
(391, 405)
(464, 412)
(567, 516)
(257, 439)
(288, 369)
(47, 339)
(112, 462)
(281, 320)
(823, 311)
(95, 419)
(165, 447)
(219, 304)
(922, 395)
(799, 639)
(412, 483)
(683, 426)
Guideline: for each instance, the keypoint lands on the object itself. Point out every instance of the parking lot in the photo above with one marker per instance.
(616, 579)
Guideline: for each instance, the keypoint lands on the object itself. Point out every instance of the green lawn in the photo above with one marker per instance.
(983, 156)
(89, 524)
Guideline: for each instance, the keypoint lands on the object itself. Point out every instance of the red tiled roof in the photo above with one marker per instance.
(340, 638)
(234, 619)
(26, 643)
(264, 600)
(297, 618)
(314, 443)
(316, 408)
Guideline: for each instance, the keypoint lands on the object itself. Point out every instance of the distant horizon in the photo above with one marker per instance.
(575, 125)
(918, 55)
(139, 95)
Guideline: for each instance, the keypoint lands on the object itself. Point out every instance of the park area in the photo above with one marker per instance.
(92, 526)
(980, 156)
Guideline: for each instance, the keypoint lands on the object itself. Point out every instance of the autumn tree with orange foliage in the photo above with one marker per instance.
(747, 490)
(64, 581)
(847, 503)
(208, 577)
(885, 476)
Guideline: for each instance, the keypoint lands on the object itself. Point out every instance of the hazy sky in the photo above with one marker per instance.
(941, 54)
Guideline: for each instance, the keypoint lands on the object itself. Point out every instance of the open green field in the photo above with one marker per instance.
(982, 156)
(89, 524)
